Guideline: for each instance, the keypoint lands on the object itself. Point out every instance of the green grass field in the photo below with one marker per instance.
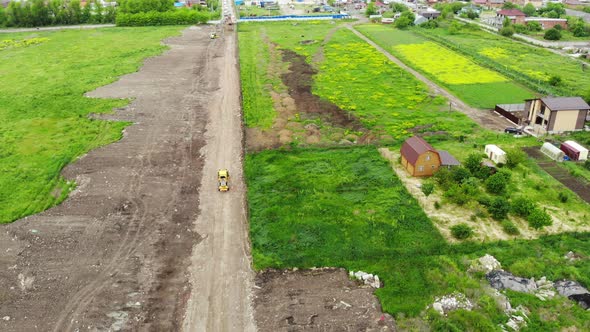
(348, 209)
(44, 122)
(535, 63)
(477, 86)
(351, 74)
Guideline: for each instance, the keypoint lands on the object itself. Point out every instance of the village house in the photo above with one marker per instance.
(555, 115)
(430, 14)
(420, 159)
(514, 15)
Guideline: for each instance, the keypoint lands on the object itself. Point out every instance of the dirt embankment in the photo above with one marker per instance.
(115, 254)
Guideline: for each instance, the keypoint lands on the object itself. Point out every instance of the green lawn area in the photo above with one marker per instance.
(531, 63)
(44, 122)
(476, 85)
(348, 209)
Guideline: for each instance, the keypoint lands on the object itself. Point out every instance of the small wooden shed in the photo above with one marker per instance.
(495, 154)
(419, 158)
(574, 150)
(552, 151)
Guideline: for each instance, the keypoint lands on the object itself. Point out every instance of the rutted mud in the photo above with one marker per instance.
(299, 105)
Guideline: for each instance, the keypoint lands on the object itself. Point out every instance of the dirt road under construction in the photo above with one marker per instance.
(145, 240)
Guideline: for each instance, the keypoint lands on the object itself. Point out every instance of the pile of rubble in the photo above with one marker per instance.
(451, 302)
(366, 278)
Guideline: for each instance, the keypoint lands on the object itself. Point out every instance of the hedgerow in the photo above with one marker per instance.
(178, 17)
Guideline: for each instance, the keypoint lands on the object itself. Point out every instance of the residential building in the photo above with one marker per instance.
(419, 158)
(555, 115)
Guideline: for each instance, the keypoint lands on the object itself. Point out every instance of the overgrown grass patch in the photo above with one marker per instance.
(533, 64)
(43, 113)
(476, 85)
(344, 207)
(360, 79)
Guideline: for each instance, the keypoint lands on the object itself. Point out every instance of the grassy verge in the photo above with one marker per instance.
(476, 85)
(43, 113)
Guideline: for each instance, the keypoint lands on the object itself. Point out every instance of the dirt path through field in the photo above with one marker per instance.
(222, 278)
(115, 255)
(487, 119)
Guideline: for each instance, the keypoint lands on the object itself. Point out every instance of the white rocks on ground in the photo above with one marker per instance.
(451, 302)
(486, 264)
(366, 278)
(518, 318)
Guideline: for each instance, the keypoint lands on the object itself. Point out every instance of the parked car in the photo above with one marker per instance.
(513, 130)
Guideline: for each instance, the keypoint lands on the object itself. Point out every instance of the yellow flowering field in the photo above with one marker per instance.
(446, 65)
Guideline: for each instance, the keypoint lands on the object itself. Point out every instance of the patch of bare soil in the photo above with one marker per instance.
(316, 300)
(302, 117)
(114, 255)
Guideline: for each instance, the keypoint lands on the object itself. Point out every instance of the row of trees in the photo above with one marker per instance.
(54, 12)
(34, 13)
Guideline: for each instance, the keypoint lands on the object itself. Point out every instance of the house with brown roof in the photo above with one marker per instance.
(420, 159)
(514, 15)
(555, 115)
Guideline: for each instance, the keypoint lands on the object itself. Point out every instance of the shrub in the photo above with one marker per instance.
(587, 164)
(552, 34)
(496, 184)
(473, 163)
(427, 188)
(461, 231)
(144, 6)
(177, 17)
(499, 207)
(520, 28)
(472, 15)
(522, 207)
(514, 157)
(430, 24)
(460, 174)
(539, 218)
(534, 26)
(563, 197)
(510, 228)
(443, 178)
(507, 31)
(529, 9)
(402, 23)
(554, 80)
(437, 205)
(454, 28)
(558, 27)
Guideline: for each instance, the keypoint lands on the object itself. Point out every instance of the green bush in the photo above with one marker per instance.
(534, 26)
(563, 197)
(461, 231)
(522, 207)
(554, 80)
(552, 34)
(507, 31)
(539, 218)
(515, 157)
(510, 228)
(499, 207)
(496, 184)
(520, 28)
(153, 18)
(144, 6)
(587, 164)
(427, 188)
(437, 205)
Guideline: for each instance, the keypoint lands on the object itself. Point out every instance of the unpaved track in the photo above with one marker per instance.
(222, 278)
(487, 119)
(116, 253)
